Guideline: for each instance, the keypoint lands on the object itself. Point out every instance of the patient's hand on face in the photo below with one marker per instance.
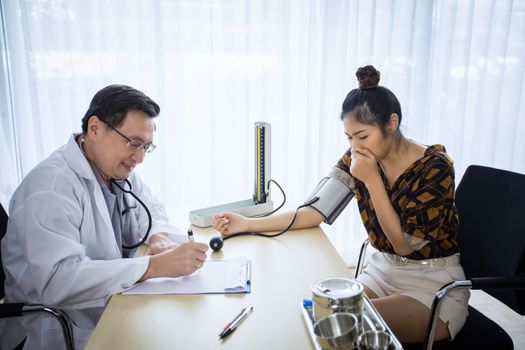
(159, 243)
(228, 223)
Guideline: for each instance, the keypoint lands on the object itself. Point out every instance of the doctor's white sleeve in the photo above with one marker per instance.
(56, 270)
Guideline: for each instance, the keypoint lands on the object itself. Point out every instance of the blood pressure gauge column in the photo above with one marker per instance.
(262, 162)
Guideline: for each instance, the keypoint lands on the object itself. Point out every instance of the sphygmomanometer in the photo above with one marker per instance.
(329, 198)
(333, 193)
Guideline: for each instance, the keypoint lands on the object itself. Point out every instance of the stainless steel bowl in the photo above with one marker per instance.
(337, 331)
(375, 340)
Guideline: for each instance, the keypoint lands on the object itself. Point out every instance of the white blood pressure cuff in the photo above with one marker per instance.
(334, 193)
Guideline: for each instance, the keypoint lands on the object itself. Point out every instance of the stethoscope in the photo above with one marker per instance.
(130, 192)
(116, 183)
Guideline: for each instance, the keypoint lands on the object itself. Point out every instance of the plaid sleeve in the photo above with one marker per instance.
(428, 203)
(344, 162)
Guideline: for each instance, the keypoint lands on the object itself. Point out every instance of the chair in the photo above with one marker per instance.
(491, 235)
(20, 309)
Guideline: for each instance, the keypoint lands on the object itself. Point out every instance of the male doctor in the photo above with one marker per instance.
(68, 223)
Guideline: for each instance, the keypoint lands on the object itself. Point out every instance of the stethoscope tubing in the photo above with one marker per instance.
(116, 183)
(237, 234)
(130, 191)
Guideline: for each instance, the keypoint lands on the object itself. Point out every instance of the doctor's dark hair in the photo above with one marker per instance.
(112, 103)
(371, 104)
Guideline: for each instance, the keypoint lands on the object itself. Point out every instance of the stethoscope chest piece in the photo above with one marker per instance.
(216, 243)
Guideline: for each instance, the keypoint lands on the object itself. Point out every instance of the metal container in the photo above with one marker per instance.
(337, 331)
(375, 340)
(332, 295)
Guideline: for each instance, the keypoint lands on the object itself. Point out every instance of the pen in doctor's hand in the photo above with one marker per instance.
(235, 323)
(190, 235)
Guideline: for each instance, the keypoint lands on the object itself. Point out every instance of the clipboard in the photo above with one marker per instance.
(214, 277)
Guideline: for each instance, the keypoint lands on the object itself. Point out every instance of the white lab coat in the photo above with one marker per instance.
(60, 248)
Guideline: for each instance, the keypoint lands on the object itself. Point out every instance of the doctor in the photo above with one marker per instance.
(68, 223)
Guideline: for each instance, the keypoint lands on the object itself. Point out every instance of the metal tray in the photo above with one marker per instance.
(371, 321)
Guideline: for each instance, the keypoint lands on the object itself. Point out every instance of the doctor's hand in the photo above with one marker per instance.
(364, 165)
(158, 243)
(228, 223)
(180, 261)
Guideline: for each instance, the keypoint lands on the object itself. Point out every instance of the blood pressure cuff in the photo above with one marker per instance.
(334, 193)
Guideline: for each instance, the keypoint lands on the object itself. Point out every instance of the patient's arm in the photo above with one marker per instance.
(228, 223)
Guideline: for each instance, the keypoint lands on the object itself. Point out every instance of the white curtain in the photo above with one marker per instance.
(217, 66)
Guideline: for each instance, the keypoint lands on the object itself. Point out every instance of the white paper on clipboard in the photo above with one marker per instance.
(215, 277)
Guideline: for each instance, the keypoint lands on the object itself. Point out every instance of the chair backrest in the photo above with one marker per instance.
(491, 232)
(3, 228)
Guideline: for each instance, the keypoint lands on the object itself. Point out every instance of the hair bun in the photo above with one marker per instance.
(368, 77)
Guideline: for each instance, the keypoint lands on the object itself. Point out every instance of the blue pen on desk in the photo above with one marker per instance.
(190, 235)
(235, 323)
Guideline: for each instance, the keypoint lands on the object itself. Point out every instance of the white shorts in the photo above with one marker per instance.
(388, 274)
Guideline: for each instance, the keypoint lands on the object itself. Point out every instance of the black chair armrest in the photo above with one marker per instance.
(11, 310)
(361, 260)
(436, 304)
(509, 282)
(19, 309)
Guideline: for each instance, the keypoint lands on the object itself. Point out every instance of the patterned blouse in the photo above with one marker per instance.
(423, 197)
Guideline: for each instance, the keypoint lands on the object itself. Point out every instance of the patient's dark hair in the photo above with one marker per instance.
(112, 103)
(371, 104)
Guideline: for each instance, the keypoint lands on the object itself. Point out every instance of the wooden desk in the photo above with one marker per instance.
(283, 270)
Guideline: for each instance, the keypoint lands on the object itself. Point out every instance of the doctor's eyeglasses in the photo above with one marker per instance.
(134, 144)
